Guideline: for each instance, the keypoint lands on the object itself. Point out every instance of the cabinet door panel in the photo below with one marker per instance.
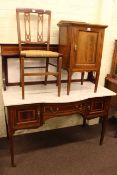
(86, 54)
(81, 45)
(86, 51)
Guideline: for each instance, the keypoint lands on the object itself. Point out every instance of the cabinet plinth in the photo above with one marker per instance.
(81, 45)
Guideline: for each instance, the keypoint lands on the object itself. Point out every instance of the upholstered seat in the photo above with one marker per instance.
(39, 53)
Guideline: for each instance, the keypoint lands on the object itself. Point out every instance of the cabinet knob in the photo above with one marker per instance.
(38, 113)
(51, 109)
(88, 107)
(57, 108)
(75, 47)
(88, 29)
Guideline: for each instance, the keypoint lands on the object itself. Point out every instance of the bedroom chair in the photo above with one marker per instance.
(33, 27)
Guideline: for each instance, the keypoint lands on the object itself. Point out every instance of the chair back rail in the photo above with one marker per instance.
(31, 21)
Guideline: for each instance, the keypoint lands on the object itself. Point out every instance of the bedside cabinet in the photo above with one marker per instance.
(81, 45)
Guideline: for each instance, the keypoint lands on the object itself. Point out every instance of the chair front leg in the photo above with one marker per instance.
(57, 69)
(22, 76)
(59, 65)
(47, 63)
(20, 71)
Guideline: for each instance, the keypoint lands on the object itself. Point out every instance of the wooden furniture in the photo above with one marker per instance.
(34, 110)
(9, 51)
(33, 26)
(81, 45)
(12, 51)
(111, 79)
(114, 62)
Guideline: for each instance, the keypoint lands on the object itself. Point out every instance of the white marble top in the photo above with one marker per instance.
(48, 93)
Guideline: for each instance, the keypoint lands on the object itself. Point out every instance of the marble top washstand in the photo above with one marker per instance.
(48, 94)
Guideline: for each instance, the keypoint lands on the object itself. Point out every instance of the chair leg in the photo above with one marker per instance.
(82, 78)
(22, 76)
(47, 63)
(57, 71)
(20, 70)
(59, 65)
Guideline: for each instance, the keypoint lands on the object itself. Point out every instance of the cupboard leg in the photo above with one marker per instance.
(82, 77)
(69, 82)
(90, 77)
(96, 81)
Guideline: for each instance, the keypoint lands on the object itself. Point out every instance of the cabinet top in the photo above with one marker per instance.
(78, 23)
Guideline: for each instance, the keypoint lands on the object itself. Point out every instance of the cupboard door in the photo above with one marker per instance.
(86, 43)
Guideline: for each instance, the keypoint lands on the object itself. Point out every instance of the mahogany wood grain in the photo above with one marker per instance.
(34, 115)
(81, 45)
(12, 51)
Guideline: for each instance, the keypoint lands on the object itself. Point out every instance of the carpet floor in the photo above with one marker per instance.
(67, 151)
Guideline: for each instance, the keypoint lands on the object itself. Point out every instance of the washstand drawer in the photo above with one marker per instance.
(26, 116)
(63, 108)
(96, 106)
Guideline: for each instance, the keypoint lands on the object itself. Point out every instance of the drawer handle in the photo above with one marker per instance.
(57, 108)
(38, 113)
(51, 109)
(88, 29)
(75, 47)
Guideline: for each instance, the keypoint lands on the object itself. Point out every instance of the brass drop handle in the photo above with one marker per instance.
(51, 109)
(38, 113)
(57, 108)
(75, 47)
(88, 29)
